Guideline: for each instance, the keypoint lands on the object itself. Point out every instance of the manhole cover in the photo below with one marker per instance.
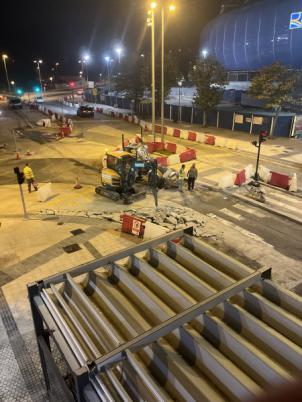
(77, 232)
(72, 248)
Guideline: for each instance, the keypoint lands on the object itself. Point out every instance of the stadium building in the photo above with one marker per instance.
(256, 34)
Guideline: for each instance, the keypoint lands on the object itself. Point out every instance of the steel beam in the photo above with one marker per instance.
(178, 320)
(101, 262)
(56, 334)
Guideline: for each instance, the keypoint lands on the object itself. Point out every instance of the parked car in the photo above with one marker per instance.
(15, 103)
(85, 111)
(39, 99)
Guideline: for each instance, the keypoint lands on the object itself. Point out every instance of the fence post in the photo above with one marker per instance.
(217, 119)
(233, 124)
(170, 112)
(192, 115)
(252, 123)
(293, 127)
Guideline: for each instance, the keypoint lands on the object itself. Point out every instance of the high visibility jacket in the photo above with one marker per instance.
(28, 173)
(181, 173)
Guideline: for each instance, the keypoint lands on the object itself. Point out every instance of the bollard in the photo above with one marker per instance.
(77, 185)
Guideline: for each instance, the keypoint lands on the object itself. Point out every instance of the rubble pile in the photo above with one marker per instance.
(167, 217)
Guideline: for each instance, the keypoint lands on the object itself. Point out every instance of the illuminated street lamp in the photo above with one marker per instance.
(109, 61)
(119, 52)
(38, 63)
(204, 53)
(4, 58)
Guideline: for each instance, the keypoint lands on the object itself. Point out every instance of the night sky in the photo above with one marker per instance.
(60, 30)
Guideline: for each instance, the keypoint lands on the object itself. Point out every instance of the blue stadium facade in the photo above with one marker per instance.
(249, 37)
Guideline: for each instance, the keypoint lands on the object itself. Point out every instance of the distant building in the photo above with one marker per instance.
(251, 36)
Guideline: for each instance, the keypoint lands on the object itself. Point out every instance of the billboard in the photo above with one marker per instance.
(295, 20)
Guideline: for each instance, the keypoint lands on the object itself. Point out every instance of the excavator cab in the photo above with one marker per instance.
(121, 171)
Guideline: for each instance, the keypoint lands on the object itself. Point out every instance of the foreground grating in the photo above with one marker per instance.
(170, 319)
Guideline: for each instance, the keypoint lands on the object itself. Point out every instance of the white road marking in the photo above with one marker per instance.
(252, 211)
(231, 214)
(239, 229)
(284, 206)
(288, 198)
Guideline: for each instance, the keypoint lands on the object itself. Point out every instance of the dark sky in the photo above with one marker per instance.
(60, 30)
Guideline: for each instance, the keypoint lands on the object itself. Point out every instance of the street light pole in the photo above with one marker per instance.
(162, 71)
(4, 58)
(179, 106)
(38, 62)
(153, 70)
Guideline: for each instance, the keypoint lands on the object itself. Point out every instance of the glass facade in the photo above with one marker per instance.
(256, 35)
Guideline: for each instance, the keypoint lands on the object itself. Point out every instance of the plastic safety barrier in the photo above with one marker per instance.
(162, 161)
(171, 147)
(187, 155)
(210, 140)
(192, 136)
(280, 180)
(176, 133)
(240, 178)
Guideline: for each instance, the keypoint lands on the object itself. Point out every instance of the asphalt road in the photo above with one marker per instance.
(282, 234)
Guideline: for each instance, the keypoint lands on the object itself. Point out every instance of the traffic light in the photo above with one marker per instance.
(19, 91)
(72, 84)
(263, 135)
(37, 89)
(20, 175)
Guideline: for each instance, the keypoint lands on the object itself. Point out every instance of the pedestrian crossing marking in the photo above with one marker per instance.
(285, 206)
(239, 229)
(252, 211)
(231, 214)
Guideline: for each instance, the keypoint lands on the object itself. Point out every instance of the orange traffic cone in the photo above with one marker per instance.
(77, 185)
(18, 155)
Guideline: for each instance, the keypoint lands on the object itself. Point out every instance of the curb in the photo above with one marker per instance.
(266, 208)
(299, 194)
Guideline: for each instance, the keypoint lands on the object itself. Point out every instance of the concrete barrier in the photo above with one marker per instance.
(170, 131)
(201, 138)
(264, 173)
(44, 193)
(293, 183)
(226, 181)
(183, 135)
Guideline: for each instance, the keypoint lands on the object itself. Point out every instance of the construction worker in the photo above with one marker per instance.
(29, 177)
(181, 178)
(192, 176)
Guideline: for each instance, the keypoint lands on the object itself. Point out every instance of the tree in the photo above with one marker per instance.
(210, 79)
(171, 75)
(131, 78)
(274, 85)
